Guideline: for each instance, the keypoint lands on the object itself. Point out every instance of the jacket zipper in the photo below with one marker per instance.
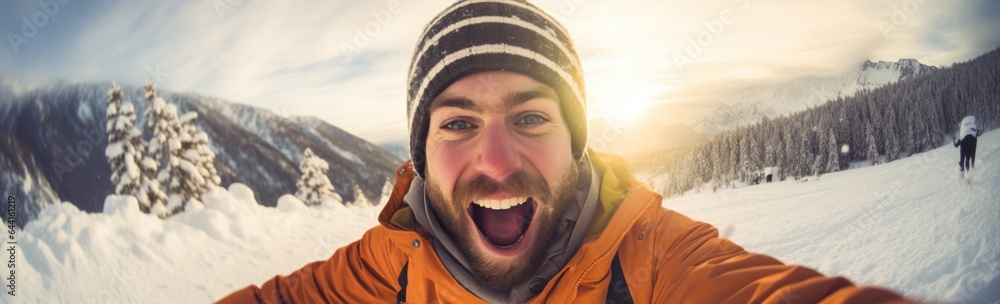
(628, 228)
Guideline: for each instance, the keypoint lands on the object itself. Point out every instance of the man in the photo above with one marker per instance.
(502, 202)
(966, 140)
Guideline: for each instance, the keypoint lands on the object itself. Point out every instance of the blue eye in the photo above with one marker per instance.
(532, 119)
(457, 125)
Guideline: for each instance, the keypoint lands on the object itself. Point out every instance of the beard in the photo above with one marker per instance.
(495, 273)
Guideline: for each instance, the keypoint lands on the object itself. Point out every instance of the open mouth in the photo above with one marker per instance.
(503, 223)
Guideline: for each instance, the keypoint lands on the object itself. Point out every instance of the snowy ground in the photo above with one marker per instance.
(910, 225)
(123, 256)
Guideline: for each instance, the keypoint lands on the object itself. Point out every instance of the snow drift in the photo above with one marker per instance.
(125, 256)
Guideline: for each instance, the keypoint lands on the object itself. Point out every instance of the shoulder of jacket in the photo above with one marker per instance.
(395, 240)
(662, 227)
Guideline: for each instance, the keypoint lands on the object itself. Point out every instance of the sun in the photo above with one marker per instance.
(621, 101)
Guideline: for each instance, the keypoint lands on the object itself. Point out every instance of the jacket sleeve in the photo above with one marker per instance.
(365, 271)
(700, 267)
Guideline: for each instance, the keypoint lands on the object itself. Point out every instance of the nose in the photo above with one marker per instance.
(498, 158)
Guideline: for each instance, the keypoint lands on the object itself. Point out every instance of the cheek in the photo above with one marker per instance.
(552, 158)
(445, 163)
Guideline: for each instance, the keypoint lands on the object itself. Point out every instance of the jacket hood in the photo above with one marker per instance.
(967, 127)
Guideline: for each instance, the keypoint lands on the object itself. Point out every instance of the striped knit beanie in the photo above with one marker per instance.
(493, 35)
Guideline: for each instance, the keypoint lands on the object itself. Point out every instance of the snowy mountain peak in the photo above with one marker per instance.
(903, 62)
(905, 67)
(798, 94)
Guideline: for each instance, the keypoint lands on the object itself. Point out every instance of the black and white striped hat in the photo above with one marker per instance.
(493, 35)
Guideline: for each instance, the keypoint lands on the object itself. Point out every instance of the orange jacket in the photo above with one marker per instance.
(665, 257)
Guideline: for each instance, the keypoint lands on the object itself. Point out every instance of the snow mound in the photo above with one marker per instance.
(290, 203)
(218, 245)
(242, 192)
(126, 206)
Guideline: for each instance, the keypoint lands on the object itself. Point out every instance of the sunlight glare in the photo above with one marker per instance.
(620, 100)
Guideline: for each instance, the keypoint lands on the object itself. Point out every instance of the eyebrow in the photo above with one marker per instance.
(515, 99)
(456, 102)
(512, 100)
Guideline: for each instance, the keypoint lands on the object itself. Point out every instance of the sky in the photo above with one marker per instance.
(346, 61)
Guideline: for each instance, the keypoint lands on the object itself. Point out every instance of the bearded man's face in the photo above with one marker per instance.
(500, 172)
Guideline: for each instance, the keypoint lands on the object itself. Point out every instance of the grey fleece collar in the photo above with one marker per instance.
(577, 217)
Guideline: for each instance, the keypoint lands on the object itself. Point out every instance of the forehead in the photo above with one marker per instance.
(503, 90)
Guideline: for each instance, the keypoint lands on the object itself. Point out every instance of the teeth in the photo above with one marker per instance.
(502, 203)
(505, 203)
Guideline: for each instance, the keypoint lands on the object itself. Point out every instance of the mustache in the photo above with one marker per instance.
(519, 183)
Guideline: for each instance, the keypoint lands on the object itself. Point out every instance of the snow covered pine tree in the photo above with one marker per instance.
(314, 186)
(359, 197)
(187, 161)
(122, 155)
(872, 152)
(832, 160)
(195, 160)
(162, 118)
(132, 170)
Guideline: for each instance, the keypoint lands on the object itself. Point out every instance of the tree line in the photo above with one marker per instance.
(874, 126)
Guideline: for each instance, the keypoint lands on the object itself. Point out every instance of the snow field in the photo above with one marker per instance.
(910, 225)
(198, 256)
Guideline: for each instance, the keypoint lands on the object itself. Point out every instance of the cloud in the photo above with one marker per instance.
(290, 57)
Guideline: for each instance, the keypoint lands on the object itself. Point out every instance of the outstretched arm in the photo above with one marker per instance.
(701, 267)
(362, 272)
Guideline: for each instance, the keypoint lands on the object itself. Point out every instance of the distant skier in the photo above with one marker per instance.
(967, 134)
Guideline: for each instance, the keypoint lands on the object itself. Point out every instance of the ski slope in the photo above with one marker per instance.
(910, 225)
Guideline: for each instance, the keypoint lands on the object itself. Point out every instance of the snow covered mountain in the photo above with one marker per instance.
(799, 94)
(53, 140)
(400, 148)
